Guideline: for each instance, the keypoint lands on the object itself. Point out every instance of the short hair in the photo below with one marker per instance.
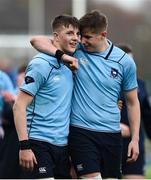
(125, 47)
(64, 20)
(94, 22)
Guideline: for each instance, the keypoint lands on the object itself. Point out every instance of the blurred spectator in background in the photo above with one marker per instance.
(135, 170)
(10, 68)
(9, 168)
(20, 76)
(6, 94)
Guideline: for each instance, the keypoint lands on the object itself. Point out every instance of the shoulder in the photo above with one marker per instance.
(6, 82)
(4, 76)
(39, 66)
(44, 59)
(117, 54)
(121, 57)
(43, 62)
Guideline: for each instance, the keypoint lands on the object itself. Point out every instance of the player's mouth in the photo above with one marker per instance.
(73, 45)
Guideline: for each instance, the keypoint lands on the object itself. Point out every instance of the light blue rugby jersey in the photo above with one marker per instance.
(51, 86)
(5, 83)
(97, 86)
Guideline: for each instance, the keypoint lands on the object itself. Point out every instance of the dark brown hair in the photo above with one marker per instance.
(64, 20)
(94, 22)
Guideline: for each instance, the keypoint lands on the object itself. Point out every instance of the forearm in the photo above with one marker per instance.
(134, 119)
(43, 44)
(20, 121)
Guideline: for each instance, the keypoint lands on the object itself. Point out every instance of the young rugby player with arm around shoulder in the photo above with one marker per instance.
(104, 72)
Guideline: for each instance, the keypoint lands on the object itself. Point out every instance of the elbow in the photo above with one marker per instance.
(35, 40)
(32, 41)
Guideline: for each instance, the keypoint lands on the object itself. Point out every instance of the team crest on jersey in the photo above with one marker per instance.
(29, 79)
(83, 61)
(114, 73)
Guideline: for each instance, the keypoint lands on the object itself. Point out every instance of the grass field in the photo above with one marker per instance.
(148, 172)
(148, 158)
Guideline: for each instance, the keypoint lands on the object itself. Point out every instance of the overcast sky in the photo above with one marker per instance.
(127, 4)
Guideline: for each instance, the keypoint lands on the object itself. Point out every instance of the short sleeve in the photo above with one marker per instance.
(130, 76)
(35, 75)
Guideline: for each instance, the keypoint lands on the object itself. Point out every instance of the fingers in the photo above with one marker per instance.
(71, 61)
(120, 104)
(133, 157)
(129, 151)
(27, 160)
(133, 153)
(34, 159)
(27, 165)
(74, 65)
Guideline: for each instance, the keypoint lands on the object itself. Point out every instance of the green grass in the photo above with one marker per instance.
(148, 158)
(148, 172)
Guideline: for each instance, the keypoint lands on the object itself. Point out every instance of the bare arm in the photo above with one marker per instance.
(44, 44)
(19, 109)
(26, 157)
(133, 109)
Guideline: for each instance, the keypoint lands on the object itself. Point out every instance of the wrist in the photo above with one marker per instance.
(59, 54)
(135, 139)
(24, 145)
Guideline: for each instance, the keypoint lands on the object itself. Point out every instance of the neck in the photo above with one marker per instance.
(104, 45)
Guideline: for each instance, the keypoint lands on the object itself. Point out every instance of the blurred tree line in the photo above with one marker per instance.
(132, 27)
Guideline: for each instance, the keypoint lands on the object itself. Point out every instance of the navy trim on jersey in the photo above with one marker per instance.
(49, 73)
(108, 54)
(131, 89)
(97, 54)
(27, 92)
(121, 58)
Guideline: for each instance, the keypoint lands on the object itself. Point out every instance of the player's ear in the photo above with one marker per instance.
(104, 34)
(55, 35)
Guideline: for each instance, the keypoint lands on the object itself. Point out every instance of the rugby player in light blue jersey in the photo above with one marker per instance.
(6, 94)
(45, 96)
(104, 72)
(5, 82)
